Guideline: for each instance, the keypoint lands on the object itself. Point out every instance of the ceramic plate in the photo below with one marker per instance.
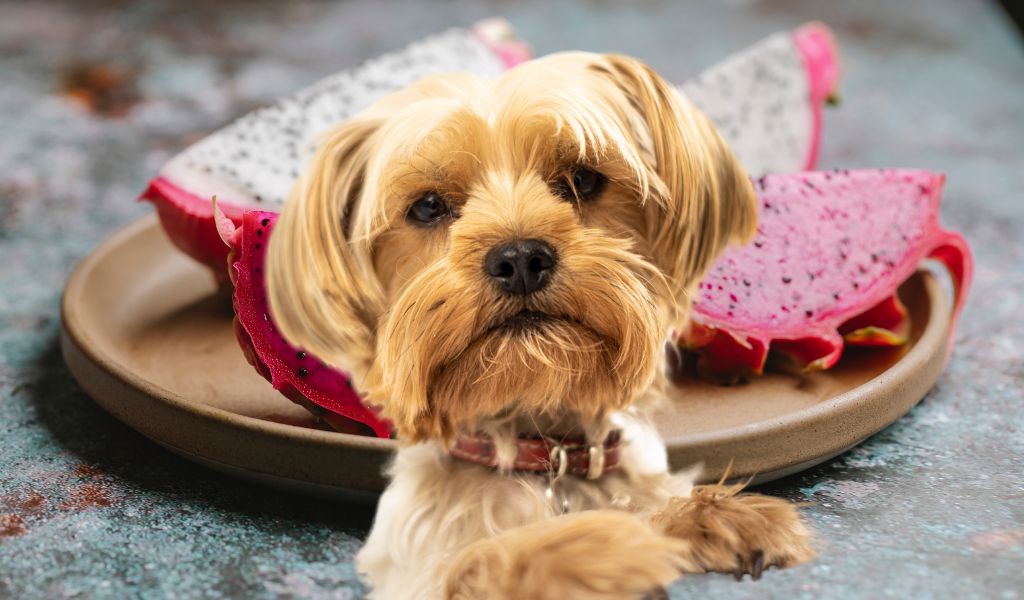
(147, 336)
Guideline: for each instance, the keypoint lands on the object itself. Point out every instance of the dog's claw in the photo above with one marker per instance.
(758, 566)
(755, 566)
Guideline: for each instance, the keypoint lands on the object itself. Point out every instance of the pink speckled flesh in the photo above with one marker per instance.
(830, 246)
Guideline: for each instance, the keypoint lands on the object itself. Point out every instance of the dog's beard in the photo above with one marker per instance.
(457, 354)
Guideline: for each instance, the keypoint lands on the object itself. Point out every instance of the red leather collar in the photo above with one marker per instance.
(558, 457)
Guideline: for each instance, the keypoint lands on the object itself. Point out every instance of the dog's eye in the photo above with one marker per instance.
(582, 183)
(587, 182)
(428, 209)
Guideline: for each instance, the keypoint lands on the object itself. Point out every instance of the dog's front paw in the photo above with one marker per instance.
(736, 533)
(590, 555)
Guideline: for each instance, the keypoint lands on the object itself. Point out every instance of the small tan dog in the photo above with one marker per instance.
(498, 264)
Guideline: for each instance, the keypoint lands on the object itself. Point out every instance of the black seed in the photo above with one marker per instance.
(786, 279)
(835, 296)
(746, 283)
(265, 222)
(301, 355)
(259, 232)
(874, 258)
(258, 246)
(303, 371)
(808, 313)
(758, 244)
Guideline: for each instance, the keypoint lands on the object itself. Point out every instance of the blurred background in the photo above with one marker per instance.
(96, 96)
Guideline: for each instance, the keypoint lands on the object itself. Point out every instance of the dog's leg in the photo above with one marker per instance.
(735, 533)
(592, 555)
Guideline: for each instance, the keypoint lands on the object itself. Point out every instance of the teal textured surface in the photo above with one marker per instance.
(932, 507)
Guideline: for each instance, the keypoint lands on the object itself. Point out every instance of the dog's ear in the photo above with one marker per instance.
(324, 295)
(703, 199)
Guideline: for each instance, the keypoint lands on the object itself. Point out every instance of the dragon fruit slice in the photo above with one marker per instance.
(253, 162)
(831, 250)
(301, 377)
(766, 100)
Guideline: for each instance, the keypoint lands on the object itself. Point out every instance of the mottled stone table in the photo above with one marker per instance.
(931, 507)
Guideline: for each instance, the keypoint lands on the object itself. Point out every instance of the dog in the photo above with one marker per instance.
(499, 263)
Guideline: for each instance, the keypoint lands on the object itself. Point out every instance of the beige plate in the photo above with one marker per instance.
(145, 336)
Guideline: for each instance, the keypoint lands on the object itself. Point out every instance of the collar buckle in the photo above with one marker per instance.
(559, 459)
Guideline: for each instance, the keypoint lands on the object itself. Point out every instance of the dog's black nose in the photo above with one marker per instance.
(520, 267)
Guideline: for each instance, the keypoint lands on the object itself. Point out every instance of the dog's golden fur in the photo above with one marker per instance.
(408, 310)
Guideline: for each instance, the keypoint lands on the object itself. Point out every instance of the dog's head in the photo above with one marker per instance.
(473, 249)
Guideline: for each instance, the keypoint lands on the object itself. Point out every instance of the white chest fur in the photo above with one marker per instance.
(435, 505)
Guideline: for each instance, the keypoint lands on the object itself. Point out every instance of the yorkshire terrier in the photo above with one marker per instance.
(498, 263)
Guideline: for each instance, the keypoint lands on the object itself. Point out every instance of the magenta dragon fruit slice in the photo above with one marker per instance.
(301, 377)
(831, 250)
(766, 100)
(253, 162)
